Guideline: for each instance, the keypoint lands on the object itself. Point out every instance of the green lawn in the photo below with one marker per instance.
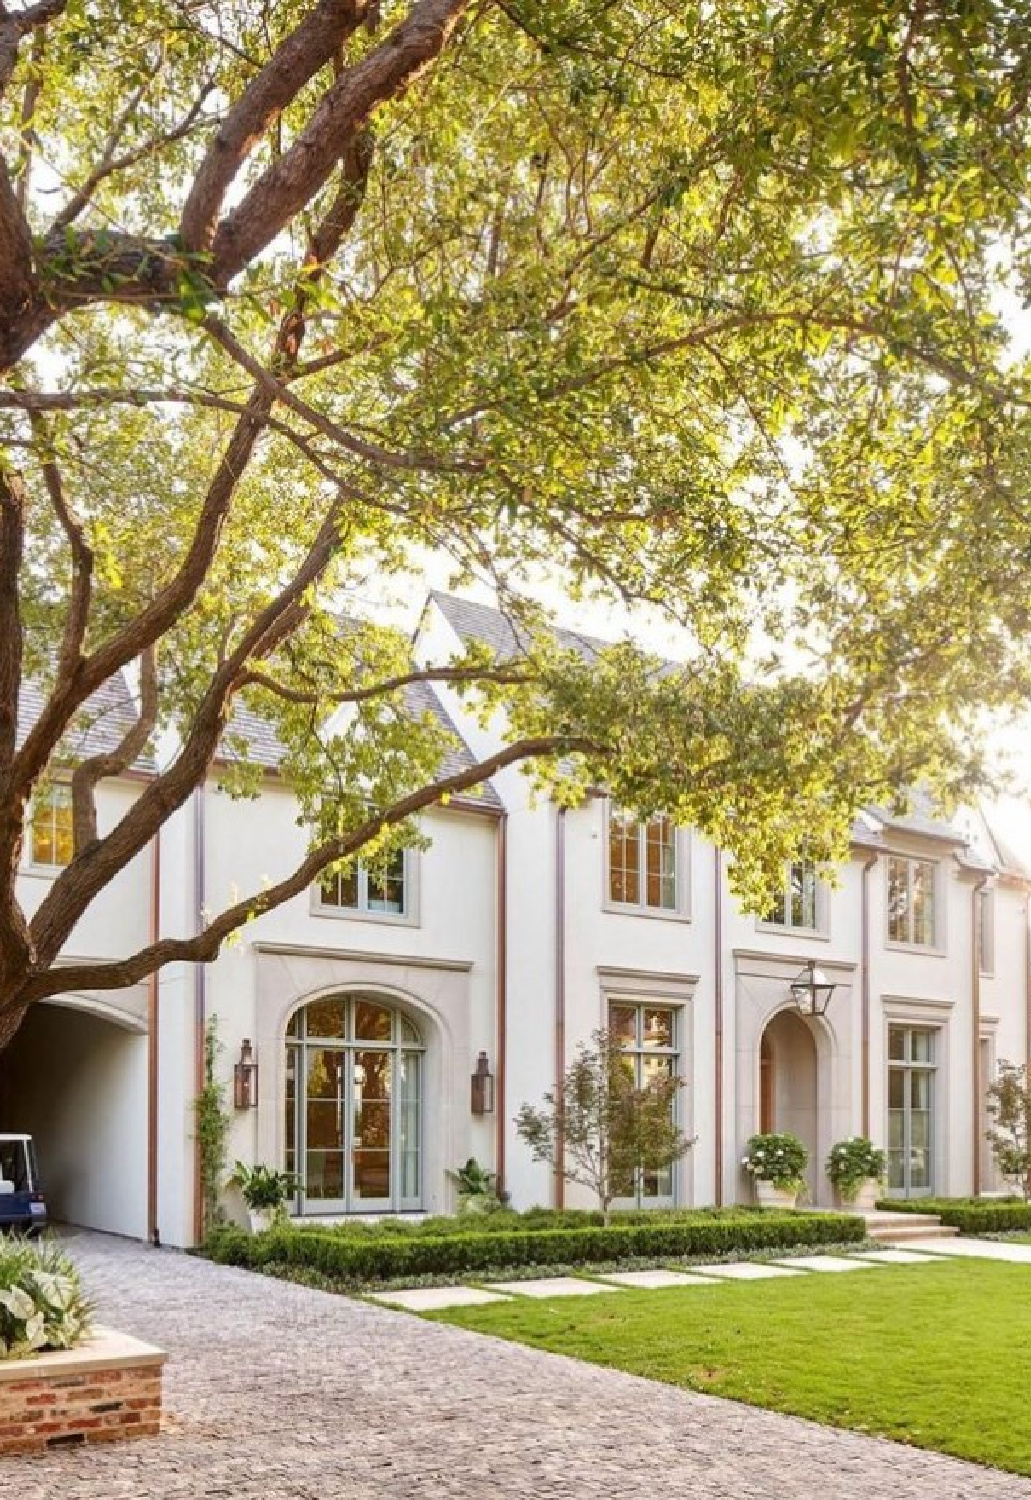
(938, 1356)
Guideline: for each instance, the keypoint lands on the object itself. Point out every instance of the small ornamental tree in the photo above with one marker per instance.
(1008, 1101)
(599, 1129)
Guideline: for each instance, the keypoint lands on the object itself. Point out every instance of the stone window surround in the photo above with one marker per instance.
(932, 1015)
(677, 991)
(682, 911)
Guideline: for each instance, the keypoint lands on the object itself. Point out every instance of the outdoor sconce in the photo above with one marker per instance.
(483, 1087)
(245, 1078)
(812, 990)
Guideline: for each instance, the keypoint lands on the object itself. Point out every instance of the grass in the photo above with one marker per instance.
(935, 1356)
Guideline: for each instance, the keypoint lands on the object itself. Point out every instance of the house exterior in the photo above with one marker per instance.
(369, 1003)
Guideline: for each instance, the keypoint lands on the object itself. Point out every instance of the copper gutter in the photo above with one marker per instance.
(718, 1058)
(153, 1017)
(560, 999)
(975, 1026)
(200, 1019)
(864, 999)
(501, 960)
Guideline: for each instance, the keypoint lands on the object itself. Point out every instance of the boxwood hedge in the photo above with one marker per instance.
(969, 1215)
(386, 1257)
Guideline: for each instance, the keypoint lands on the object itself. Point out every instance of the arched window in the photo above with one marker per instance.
(354, 1106)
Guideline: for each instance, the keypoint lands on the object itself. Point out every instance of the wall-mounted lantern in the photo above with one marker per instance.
(483, 1087)
(245, 1078)
(811, 990)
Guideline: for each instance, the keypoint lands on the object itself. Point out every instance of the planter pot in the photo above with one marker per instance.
(865, 1196)
(769, 1196)
(260, 1219)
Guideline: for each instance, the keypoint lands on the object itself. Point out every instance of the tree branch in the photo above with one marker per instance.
(89, 773)
(294, 178)
(504, 676)
(77, 618)
(205, 946)
(309, 47)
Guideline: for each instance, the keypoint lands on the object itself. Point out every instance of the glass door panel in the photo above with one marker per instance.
(910, 1112)
(409, 1110)
(324, 1129)
(371, 1123)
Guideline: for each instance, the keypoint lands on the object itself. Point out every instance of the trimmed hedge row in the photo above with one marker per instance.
(969, 1215)
(508, 1221)
(384, 1259)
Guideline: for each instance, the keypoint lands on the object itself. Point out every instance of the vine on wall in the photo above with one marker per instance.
(212, 1123)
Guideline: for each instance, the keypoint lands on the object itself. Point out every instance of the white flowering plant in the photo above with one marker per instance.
(780, 1159)
(852, 1161)
(42, 1305)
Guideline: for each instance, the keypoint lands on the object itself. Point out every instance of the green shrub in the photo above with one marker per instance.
(41, 1300)
(969, 1215)
(385, 1257)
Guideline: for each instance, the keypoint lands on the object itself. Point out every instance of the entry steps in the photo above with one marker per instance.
(896, 1229)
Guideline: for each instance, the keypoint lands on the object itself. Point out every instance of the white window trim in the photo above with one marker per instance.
(938, 948)
(822, 931)
(410, 917)
(681, 912)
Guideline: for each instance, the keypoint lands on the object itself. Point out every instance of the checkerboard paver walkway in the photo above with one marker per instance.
(278, 1392)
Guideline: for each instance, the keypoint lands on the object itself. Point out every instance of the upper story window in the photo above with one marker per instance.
(986, 931)
(642, 862)
(912, 902)
(384, 891)
(51, 840)
(798, 904)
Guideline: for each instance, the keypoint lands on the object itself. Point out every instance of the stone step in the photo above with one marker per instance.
(901, 1233)
(901, 1219)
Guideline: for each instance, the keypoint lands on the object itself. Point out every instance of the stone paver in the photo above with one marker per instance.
(278, 1392)
(825, 1263)
(979, 1249)
(897, 1257)
(435, 1298)
(553, 1286)
(653, 1281)
(747, 1270)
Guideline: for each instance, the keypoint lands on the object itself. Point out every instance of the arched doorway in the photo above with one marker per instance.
(353, 1126)
(76, 1080)
(788, 1093)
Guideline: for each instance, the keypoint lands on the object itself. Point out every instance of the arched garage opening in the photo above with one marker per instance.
(75, 1078)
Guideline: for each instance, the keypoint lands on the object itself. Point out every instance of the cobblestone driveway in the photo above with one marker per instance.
(277, 1392)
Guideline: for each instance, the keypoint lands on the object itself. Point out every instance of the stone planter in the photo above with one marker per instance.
(106, 1390)
(865, 1197)
(769, 1196)
(260, 1219)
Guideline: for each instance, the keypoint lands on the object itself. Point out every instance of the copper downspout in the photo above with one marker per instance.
(975, 1026)
(718, 1057)
(560, 998)
(153, 1016)
(200, 1019)
(502, 1024)
(864, 1005)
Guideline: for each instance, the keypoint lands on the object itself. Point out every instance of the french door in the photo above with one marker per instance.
(911, 1108)
(353, 1110)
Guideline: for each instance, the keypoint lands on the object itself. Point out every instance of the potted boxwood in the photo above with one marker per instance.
(777, 1166)
(265, 1191)
(856, 1168)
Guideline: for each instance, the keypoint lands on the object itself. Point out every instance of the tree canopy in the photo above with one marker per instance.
(696, 305)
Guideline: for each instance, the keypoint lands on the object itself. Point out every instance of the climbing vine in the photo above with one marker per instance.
(211, 1129)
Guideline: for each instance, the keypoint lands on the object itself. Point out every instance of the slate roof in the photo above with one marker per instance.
(99, 727)
(873, 827)
(265, 749)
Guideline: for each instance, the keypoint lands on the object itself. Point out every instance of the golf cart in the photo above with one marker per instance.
(22, 1205)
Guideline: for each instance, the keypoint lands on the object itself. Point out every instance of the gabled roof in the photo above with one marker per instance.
(507, 637)
(99, 727)
(264, 748)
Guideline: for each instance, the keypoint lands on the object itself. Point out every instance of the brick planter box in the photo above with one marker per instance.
(106, 1390)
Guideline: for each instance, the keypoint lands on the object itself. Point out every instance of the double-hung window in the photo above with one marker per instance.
(913, 902)
(51, 841)
(383, 890)
(798, 904)
(643, 862)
